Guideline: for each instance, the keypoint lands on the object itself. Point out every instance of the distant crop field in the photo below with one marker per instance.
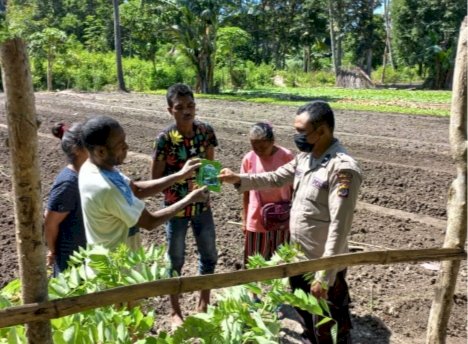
(413, 102)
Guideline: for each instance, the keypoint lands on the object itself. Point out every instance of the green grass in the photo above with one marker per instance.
(412, 102)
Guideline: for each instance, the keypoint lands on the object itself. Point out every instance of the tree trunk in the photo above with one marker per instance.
(368, 52)
(368, 66)
(384, 65)
(22, 133)
(354, 78)
(388, 45)
(457, 198)
(306, 63)
(331, 22)
(49, 73)
(118, 47)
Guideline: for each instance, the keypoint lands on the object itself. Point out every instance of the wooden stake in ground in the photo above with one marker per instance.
(22, 133)
(456, 205)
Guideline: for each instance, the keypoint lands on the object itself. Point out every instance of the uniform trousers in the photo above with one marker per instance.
(338, 302)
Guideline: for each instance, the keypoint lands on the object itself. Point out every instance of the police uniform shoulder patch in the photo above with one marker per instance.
(344, 181)
(346, 162)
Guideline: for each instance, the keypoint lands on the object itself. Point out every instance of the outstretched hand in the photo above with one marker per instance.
(199, 195)
(227, 176)
(190, 166)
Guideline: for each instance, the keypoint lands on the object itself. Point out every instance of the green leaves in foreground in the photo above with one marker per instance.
(236, 317)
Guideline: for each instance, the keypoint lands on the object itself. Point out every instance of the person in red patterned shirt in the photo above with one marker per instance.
(185, 139)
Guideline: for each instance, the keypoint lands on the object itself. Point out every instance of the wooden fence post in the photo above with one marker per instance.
(22, 135)
(456, 205)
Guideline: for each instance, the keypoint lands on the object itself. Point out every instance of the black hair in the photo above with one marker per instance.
(262, 131)
(96, 131)
(70, 138)
(319, 112)
(178, 90)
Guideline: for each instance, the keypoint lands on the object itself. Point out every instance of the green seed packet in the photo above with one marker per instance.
(208, 174)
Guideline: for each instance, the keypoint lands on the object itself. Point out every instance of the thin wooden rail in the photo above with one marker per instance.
(66, 306)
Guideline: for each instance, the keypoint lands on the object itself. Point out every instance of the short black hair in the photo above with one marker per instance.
(178, 90)
(96, 131)
(319, 112)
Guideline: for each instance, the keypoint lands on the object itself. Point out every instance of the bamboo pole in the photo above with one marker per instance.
(66, 306)
(456, 206)
(22, 134)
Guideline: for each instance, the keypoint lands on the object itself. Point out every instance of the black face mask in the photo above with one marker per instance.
(301, 143)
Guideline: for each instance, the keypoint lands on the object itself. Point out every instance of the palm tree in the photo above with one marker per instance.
(196, 30)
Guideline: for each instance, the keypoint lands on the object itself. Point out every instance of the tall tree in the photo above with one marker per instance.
(424, 34)
(21, 118)
(47, 44)
(195, 29)
(308, 33)
(118, 46)
(144, 27)
(232, 42)
(336, 22)
(387, 57)
(363, 29)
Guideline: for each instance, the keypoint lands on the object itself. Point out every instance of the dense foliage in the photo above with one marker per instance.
(426, 34)
(235, 318)
(217, 44)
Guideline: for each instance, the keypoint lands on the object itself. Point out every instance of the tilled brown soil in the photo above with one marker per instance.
(402, 203)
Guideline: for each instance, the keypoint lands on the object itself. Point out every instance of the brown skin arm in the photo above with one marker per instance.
(210, 153)
(52, 220)
(157, 169)
(150, 221)
(143, 189)
(227, 176)
(245, 204)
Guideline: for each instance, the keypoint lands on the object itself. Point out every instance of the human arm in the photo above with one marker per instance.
(143, 189)
(245, 207)
(157, 168)
(210, 152)
(344, 187)
(245, 168)
(226, 175)
(212, 142)
(284, 175)
(52, 221)
(150, 221)
(63, 199)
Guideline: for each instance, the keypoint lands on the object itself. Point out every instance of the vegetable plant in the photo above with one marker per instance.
(235, 317)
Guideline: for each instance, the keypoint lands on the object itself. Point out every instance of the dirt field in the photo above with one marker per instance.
(401, 205)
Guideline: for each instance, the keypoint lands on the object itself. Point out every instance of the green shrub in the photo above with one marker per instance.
(261, 75)
(394, 76)
(299, 78)
(165, 75)
(94, 71)
(322, 78)
(137, 74)
(238, 77)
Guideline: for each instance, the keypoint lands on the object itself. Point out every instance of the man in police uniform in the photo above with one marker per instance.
(326, 184)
